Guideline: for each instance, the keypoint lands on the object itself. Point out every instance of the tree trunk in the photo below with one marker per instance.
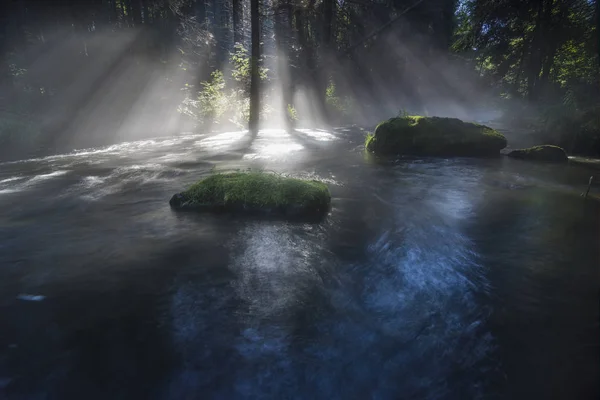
(283, 70)
(535, 56)
(598, 29)
(553, 41)
(321, 76)
(254, 73)
(238, 30)
(309, 73)
(517, 83)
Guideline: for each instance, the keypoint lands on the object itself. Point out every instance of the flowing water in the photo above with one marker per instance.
(429, 279)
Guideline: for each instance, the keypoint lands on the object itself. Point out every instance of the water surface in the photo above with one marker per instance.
(429, 279)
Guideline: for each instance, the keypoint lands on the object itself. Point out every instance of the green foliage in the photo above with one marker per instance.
(339, 106)
(370, 137)
(291, 113)
(529, 47)
(211, 100)
(433, 136)
(545, 52)
(256, 191)
(240, 72)
(212, 97)
(221, 100)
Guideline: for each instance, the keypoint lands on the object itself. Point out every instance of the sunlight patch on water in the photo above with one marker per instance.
(177, 157)
(272, 144)
(270, 151)
(91, 181)
(271, 268)
(222, 140)
(120, 149)
(127, 178)
(6, 191)
(320, 135)
(48, 176)
(19, 187)
(16, 178)
(331, 180)
(6, 187)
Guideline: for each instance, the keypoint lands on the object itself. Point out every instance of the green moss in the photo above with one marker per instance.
(256, 192)
(434, 136)
(545, 153)
(370, 137)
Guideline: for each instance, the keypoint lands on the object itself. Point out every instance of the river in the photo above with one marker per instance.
(429, 279)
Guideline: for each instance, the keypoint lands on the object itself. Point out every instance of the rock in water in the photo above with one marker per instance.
(545, 153)
(256, 193)
(434, 136)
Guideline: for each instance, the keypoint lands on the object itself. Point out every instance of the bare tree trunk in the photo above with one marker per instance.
(598, 28)
(283, 69)
(254, 73)
(539, 48)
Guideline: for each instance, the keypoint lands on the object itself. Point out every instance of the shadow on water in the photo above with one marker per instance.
(429, 278)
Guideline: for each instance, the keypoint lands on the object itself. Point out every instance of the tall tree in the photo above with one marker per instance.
(598, 29)
(254, 71)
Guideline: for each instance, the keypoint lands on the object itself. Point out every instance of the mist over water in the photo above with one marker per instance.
(430, 278)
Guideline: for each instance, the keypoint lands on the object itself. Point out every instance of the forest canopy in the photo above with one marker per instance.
(98, 71)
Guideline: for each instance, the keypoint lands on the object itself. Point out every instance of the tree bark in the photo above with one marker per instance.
(598, 29)
(254, 73)
(554, 34)
(535, 55)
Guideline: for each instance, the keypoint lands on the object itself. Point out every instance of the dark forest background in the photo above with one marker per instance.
(87, 73)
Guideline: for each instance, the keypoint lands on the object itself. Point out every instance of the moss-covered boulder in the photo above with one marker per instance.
(256, 193)
(434, 136)
(545, 153)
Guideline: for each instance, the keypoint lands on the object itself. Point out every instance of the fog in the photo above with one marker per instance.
(108, 84)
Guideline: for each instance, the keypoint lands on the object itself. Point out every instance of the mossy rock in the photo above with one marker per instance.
(434, 136)
(256, 193)
(546, 153)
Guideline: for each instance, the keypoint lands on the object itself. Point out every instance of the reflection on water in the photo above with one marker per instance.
(430, 279)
